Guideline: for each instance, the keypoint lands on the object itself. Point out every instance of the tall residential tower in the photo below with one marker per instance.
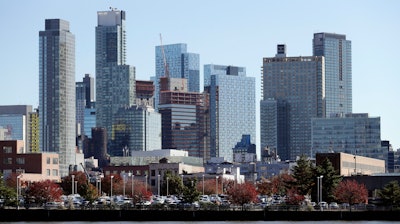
(115, 80)
(338, 82)
(57, 92)
(232, 107)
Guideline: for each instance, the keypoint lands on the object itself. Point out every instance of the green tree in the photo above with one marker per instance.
(330, 180)
(8, 194)
(390, 194)
(190, 192)
(175, 185)
(303, 174)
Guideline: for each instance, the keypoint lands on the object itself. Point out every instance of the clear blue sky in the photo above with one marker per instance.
(227, 32)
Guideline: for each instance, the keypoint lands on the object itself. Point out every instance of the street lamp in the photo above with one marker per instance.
(18, 183)
(146, 182)
(123, 179)
(158, 184)
(76, 186)
(203, 184)
(112, 177)
(182, 179)
(133, 185)
(319, 188)
(73, 184)
(216, 185)
(167, 186)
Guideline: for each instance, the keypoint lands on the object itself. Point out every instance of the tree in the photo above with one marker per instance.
(303, 174)
(349, 191)
(7, 193)
(275, 185)
(44, 191)
(117, 184)
(81, 183)
(293, 197)
(241, 194)
(330, 180)
(175, 185)
(190, 193)
(390, 194)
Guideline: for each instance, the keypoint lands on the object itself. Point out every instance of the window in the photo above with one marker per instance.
(55, 160)
(7, 161)
(7, 149)
(55, 172)
(48, 172)
(153, 173)
(48, 160)
(20, 161)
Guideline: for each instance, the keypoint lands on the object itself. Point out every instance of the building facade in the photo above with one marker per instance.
(13, 111)
(145, 93)
(232, 107)
(293, 93)
(356, 134)
(32, 166)
(184, 125)
(57, 91)
(33, 131)
(338, 71)
(349, 164)
(115, 80)
(178, 64)
(136, 129)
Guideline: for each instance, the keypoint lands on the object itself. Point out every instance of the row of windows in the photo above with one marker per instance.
(48, 160)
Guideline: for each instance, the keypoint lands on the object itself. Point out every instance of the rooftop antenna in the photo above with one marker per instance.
(166, 71)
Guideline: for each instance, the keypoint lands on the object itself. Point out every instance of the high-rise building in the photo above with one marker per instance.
(80, 105)
(183, 115)
(232, 108)
(136, 129)
(33, 132)
(293, 92)
(178, 64)
(338, 75)
(14, 111)
(115, 80)
(89, 90)
(356, 134)
(57, 91)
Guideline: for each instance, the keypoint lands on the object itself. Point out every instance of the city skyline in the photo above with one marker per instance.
(238, 33)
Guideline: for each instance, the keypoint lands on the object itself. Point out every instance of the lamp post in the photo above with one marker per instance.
(320, 188)
(133, 184)
(111, 182)
(203, 184)
(216, 185)
(76, 187)
(182, 179)
(146, 182)
(123, 179)
(73, 184)
(158, 176)
(18, 183)
(167, 186)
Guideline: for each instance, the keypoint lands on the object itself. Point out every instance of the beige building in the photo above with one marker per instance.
(349, 165)
(31, 166)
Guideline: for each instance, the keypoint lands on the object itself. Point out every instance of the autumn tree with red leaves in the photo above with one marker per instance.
(44, 191)
(275, 185)
(349, 191)
(241, 194)
(293, 197)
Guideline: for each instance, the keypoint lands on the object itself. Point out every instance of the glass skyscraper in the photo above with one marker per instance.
(293, 93)
(338, 75)
(115, 81)
(180, 64)
(232, 107)
(356, 134)
(57, 92)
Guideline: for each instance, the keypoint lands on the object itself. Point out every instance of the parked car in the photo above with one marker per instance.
(333, 205)
(323, 204)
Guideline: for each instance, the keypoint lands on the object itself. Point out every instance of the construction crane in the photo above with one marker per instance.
(166, 71)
